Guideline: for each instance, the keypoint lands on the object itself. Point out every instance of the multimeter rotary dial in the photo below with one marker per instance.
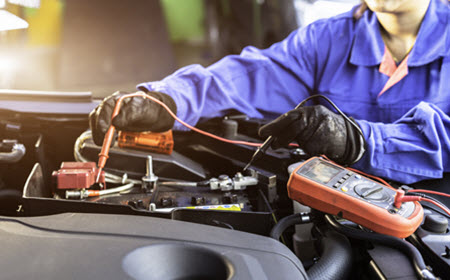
(371, 192)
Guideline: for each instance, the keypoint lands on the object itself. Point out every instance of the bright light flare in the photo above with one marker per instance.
(9, 66)
(9, 21)
(8, 63)
(26, 3)
(314, 10)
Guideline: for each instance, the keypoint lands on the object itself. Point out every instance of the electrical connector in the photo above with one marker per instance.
(400, 198)
(77, 175)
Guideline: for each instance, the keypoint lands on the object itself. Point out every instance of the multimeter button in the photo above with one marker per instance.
(357, 176)
(346, 177)
(344, 189)
(336, 185)
(341, 181)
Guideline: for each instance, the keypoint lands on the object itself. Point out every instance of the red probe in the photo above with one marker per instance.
(103, 156)
(400, 198)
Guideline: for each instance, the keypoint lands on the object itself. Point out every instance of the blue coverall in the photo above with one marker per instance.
(403, 110)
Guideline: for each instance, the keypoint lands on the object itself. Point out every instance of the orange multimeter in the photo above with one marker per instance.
(330, 188)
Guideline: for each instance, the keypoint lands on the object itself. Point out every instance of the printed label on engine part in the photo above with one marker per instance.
(228, 207)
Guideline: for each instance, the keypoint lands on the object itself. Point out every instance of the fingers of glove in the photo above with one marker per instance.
(130, 112)
(289, 135)
(315, 141)
(320, 110)
(314, 119)
(138, 114)
(141, 114)
(164, 120)
(96, 135)
(104, 113)
(92, 118)
(163, 125)
(329, 138)
(279, 125)
(100, 121)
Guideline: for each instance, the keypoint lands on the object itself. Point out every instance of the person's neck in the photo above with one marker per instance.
(399, 30)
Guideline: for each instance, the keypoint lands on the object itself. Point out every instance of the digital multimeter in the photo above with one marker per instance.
(332, 189)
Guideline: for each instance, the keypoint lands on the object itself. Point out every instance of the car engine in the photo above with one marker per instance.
(180, 206)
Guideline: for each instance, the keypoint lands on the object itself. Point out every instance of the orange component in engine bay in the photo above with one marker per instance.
(150, 141)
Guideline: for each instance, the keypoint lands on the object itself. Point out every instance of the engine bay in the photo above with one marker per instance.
(202, 182)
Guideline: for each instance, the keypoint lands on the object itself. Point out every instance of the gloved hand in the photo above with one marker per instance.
(318, 131)
(136, 114)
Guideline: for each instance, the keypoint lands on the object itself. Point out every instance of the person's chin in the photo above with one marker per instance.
(384, 6)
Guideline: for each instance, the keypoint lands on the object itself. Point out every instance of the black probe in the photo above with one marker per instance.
(258, 151)
(268, 141)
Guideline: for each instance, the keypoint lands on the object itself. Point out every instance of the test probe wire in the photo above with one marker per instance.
(349, 120)
(428, 191)
(413, 195)
(271, 138)
(433, 201)
(142, 94)
(109, 135)
(104, 153)
(103, 156)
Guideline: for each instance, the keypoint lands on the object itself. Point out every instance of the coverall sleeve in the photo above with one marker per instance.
(258, 83)
(414, 148)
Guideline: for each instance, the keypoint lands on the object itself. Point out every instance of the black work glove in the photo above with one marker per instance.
(136, 114)
(318, 131)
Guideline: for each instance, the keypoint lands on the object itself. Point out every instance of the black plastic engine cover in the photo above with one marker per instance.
(133, 162)
(96, 246)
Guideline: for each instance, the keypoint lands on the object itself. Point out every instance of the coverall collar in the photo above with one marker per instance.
(368, 47)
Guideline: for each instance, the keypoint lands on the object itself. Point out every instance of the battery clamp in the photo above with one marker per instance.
(333, 189)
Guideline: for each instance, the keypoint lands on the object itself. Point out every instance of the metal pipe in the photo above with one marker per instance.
(16, 154)
(114, 190)
(81, 194)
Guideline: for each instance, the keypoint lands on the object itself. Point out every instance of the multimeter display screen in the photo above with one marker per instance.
(321, 172)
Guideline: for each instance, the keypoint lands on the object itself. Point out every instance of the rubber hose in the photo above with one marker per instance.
(16, 154)
(288, 221)
(336, 252)
(336, 258)
(407, 248)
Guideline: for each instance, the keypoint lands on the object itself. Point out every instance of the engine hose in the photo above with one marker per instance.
(283, 224)
(16, 154)
(336, 258)
(336, 253)
(407, 248)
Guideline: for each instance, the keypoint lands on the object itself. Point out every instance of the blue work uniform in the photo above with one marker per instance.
(403, 110)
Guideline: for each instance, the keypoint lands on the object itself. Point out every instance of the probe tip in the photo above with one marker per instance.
(98, 175)
(247, 166)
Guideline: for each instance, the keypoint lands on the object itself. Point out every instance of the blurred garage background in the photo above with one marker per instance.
(106, 45)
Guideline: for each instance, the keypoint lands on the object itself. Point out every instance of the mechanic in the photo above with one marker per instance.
(386, 63)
